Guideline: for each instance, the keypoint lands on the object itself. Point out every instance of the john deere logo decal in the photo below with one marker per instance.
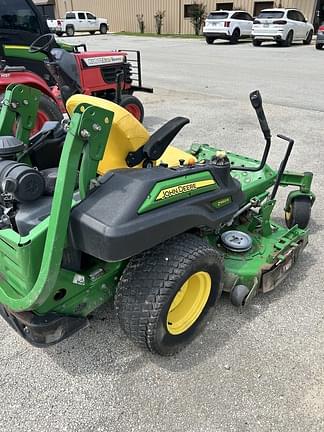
(184, 188)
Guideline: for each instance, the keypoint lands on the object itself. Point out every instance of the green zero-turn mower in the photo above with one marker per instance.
(125, 216)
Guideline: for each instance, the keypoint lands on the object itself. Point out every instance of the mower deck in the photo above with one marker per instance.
(269, 260)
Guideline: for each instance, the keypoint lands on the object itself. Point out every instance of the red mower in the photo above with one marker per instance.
(111, 75)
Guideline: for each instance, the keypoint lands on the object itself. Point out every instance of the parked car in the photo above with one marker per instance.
(229, 25)
(320, 38)
(78, 21)
(283, 26)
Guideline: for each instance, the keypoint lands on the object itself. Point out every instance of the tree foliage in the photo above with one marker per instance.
(159, 18)
(197, 16)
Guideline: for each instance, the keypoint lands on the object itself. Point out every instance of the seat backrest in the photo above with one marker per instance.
(127, 134)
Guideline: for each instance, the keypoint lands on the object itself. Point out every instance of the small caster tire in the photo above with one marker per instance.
(298, 212)
(238, 295)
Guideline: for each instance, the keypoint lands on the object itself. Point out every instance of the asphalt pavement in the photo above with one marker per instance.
(260, 370)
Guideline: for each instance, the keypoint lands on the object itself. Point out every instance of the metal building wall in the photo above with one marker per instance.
(121, 14)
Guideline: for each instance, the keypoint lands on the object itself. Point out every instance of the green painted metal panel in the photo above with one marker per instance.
(176, 189)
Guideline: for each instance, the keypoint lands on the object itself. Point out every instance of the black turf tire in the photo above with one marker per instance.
(149, 284)
(256, 42)
(129, 100)
(235, 37)
(49, 107)
(309, 38)
(209, 40)
(92, 32)
(70, 30)
(103, 28)
(300, 210)
(319, 46)
(289, 39)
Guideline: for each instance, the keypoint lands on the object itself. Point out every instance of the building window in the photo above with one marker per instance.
(188, 9)
(259, 5)
(224, 6)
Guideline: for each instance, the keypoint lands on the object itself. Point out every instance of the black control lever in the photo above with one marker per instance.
(256, 101)
(282, 165)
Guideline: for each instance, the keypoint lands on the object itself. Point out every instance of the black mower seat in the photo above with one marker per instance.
(158, 142)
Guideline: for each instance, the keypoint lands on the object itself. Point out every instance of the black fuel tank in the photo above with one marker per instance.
(113, 223)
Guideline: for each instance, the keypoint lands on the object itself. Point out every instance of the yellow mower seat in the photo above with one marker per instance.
(127, 135)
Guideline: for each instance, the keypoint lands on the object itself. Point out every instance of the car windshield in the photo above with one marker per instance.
(271, 14)
(218, 15)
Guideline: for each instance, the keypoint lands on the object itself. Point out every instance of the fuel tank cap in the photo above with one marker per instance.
(236, 241)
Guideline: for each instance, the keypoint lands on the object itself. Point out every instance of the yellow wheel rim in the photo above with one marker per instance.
(288, 213)
(188, 303)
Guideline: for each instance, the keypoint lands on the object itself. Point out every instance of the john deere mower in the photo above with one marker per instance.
(126, 217)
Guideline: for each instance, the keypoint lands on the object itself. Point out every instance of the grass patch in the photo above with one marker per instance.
(168, 35)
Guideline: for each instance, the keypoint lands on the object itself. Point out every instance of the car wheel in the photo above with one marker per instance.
(209, 40)
(70, 30)
(235, 37)
(92, 32)
(289, 39)
(103, 28)
(309, 38)
(256, 42)
(319, 46)
(166, 293)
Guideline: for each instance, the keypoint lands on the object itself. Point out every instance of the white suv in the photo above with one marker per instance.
(230, 25)
(283, 26)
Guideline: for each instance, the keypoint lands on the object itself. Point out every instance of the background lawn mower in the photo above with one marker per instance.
(164, 239)
(111, 75)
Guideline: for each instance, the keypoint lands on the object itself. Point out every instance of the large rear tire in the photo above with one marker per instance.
(166, 293)
(47, 111)
(133, 105)
(319, 46)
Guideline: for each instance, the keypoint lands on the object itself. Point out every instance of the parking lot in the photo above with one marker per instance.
(259, 370)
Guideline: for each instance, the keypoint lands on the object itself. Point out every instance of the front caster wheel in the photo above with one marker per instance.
(165, 294)
(298, 212)
(238, 295)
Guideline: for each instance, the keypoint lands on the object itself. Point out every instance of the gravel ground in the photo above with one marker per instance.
(261, 370)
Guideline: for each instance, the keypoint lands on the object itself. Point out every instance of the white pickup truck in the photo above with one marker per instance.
(78, 21)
